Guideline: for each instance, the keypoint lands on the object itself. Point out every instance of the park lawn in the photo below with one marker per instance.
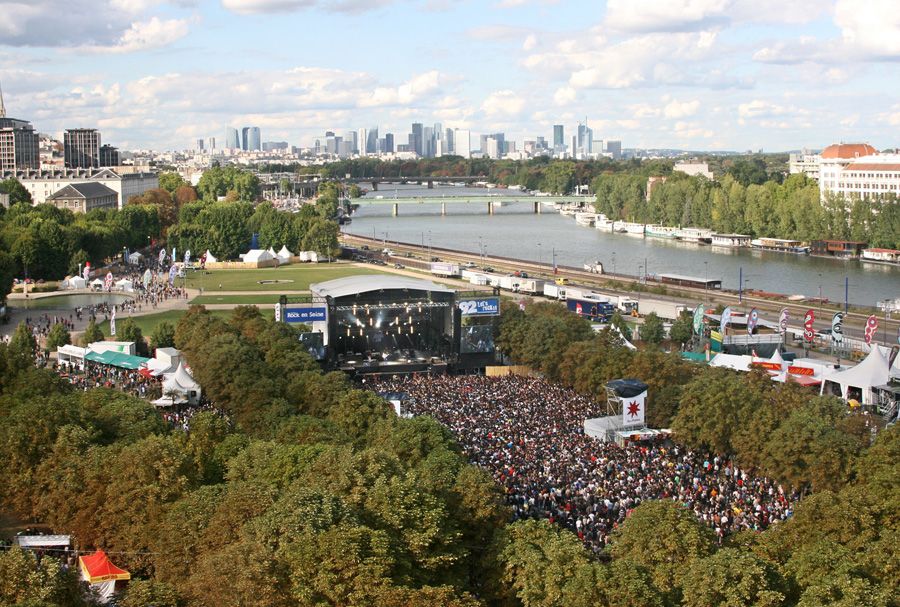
(256, 299)
(147, 323)
(249, 280)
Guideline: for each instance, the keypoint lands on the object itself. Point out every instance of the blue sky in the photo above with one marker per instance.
(696, 74)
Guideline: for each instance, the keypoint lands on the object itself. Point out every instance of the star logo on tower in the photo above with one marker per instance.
(633, 408)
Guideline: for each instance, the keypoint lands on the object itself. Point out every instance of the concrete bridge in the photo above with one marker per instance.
(487, 201)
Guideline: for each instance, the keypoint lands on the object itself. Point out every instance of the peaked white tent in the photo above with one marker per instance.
(77, 282)
(210, 258)
(256, 255)
(872, 371)
(180, 384)
(135, 258)
(124, 284)
(738, 362)
(284, 256)
(272, 252)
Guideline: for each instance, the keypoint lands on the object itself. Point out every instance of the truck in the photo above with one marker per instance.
(625, 304)
(598, 311)
(667, 310)
(531, 286)
(445, 269)
(509, 283)
(554, 291)
(594, 268)
(586, 294)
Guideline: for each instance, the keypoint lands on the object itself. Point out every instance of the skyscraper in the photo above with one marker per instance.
(255, 143)
(211, 144)
(388, 143)
(109, 156)
(362, 139)
(416, 139)
(231, 139)
(559, 136)
(82, 148)
(372, 141)
(200, 145)
(462, 143)
(19, 144)
(245, 138)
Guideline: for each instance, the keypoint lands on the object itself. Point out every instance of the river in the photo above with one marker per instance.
(513, 231)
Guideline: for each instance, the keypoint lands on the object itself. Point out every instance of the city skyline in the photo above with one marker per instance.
(702, 75)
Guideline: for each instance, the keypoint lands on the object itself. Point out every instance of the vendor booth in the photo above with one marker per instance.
(179, 388)
(284, 256)
(98, 571)
(76, 282)
(135, 258)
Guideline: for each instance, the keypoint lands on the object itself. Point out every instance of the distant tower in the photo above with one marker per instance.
(2, 107)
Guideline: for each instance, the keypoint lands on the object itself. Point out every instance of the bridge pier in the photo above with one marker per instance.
(374, 186)
(430, 184)
(396, 210)
(443, 209)
(490, 207)
(537, 207)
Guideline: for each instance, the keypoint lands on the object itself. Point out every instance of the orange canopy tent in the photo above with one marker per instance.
(97, 568)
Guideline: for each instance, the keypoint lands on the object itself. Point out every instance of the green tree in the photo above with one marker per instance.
(129, 330)
(58, 336)
(619, 323)
(732, 578)
(21, 348)
(170, 182)
(24, 581)
(7, 274)
(163, 335)
(665, 538)
(652, 331)
(355, 191)
(91, 333)
(17, 192)
(682, 329)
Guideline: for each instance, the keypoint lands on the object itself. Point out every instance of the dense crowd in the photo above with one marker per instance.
(529, 434)
(94, 375)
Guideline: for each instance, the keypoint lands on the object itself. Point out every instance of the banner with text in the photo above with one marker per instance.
(489, 306)
(633, 410)
(305, 314)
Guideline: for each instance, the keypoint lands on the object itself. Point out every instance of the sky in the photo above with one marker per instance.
(691, 74)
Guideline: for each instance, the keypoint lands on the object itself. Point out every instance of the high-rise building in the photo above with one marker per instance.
(109, 156)
(388, 143)
(211, 143)
(362, 139)
(585, 138)
(491, 147)
(82, 148)
(416, 139)
(500, 142)
(199, 145)
(232, 142)
(20, 145)
(613, 147)
(448, 138)
(372, 141)
(559, 136)
(428, 142)
(245, 138)
(255, 143)
(462, 143)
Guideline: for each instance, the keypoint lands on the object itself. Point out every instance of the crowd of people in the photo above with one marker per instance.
(180, 418)
(529, 434)
(94, 375)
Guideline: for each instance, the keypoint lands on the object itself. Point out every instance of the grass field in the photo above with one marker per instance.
(236, 299)
(148, 322)
(295, 277)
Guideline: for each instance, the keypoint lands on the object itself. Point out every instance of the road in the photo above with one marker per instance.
(854, 323)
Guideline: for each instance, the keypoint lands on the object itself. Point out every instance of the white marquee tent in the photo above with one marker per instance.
(210, 258)
(284, 256)
(872, 371)
(256, 255)
(179, 385)
(77, 282)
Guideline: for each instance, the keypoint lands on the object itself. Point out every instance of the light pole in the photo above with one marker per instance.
(640, 269)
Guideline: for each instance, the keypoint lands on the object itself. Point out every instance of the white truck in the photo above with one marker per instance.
(667, 310)
(446, 269)
(509, 283)
(554, 291)
(532, 286)
(594, 268)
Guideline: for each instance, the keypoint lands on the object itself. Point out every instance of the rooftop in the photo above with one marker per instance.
(367, 283)
(848, 150)
(88, 189)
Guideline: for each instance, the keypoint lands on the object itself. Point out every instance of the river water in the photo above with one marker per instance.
(514, 231)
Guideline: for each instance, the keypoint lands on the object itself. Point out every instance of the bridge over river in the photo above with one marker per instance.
(488, 202)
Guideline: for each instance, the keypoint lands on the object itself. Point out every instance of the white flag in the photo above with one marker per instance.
(112, 322)
(633, 410)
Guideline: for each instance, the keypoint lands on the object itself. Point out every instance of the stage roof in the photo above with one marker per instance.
(367, 283)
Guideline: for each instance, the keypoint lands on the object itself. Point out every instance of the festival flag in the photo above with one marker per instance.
(278, 312)
(783, 321)
(837, 327)
(187, 257)
(87, 271)
(698, 319)
(148, 276)
(871, 328)
(162, 256)
(726, 318)
(633, 410)
(112, 322)
(174, 256)
(752, 321)
(173, 271)
(809, 333)
(108, 282)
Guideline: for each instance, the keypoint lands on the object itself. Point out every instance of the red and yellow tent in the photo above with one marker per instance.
(97, 568)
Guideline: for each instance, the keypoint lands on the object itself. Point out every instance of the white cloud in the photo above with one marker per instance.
(695, 15)
(871, 28)
(145, 35)
(248, 7)
(565, 96)
(530, 42)
(404, 94)
(679, 109)
(503, 104)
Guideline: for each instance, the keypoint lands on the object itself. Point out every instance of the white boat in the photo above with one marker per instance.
(698, 235)
(602, 222)
(626, 227)
(885, 256)
(585, 219)
(657, 231)
(782, 245)
(730, 240)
